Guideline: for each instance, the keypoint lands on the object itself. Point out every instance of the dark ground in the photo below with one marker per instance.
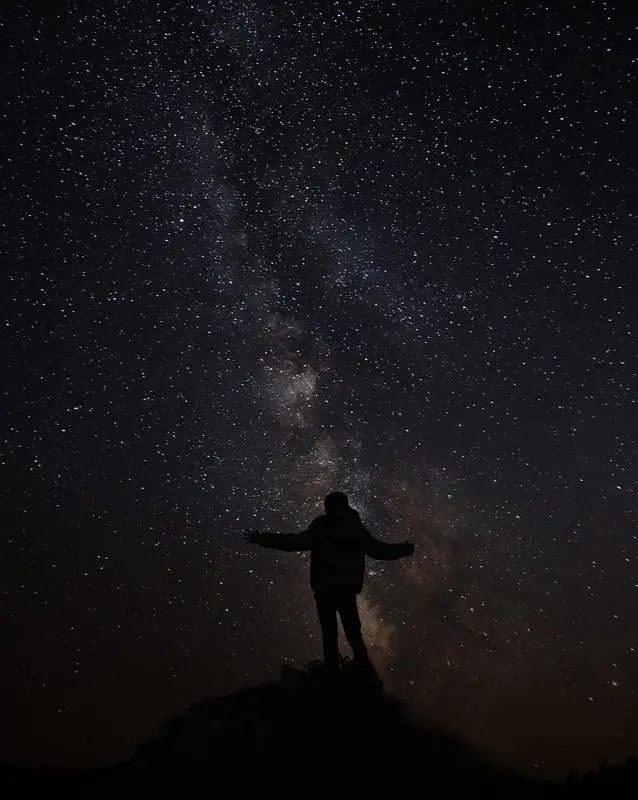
(301, 733)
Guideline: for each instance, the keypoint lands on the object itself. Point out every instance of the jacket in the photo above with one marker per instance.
(338, 547)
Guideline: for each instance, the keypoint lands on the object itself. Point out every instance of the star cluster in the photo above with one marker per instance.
(256, 251)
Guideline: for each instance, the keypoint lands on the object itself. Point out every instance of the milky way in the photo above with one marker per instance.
(257, 251)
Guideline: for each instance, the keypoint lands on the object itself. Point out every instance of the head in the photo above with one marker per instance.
(336, 503)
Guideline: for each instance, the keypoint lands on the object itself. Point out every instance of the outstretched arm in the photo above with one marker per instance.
(387, 551)
(291, 542)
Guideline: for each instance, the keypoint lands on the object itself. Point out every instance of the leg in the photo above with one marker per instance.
(349, 613)
(327, 613)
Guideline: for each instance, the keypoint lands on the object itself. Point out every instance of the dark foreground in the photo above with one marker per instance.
(299, 734)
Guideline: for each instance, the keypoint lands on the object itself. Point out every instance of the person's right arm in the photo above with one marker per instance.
(386, 551)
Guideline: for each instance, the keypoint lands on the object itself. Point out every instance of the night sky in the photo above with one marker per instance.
(256, 251)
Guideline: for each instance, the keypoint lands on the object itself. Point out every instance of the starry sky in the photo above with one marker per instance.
(256, 251)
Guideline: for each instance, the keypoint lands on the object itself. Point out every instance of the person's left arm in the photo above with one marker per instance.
(290, 542)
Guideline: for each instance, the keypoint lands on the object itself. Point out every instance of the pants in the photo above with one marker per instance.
(343, 602)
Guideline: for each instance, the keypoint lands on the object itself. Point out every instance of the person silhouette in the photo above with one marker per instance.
(338, 543)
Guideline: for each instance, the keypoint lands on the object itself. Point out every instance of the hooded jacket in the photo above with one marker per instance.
(338, 544)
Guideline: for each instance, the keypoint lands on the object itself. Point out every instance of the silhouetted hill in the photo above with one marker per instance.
(301, 733)
(295, 734)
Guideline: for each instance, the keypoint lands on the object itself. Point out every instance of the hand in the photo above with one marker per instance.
(251, 535)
